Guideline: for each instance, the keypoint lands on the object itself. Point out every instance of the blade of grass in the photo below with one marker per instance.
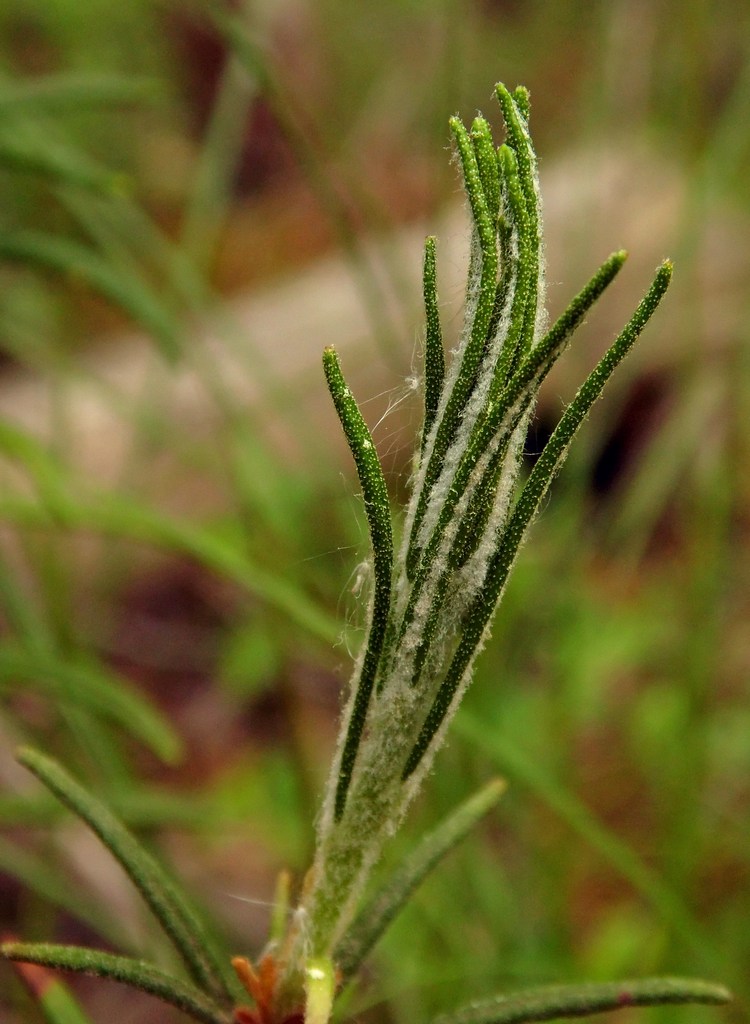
(79, 262)
(54, 93)
(91, 686)
(508, 758)
(219, 157)
(313, 167)
(37, 875)
(124, 517)
(139, 808)
(55, 160)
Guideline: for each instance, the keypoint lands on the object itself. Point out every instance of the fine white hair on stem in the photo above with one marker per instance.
(431, 605)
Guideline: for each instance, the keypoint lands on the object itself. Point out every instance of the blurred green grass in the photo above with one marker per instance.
(137, 153)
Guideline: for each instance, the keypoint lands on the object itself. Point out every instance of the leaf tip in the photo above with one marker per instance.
(507, 159)
(522, 100)
(27, 756)
(497, 786)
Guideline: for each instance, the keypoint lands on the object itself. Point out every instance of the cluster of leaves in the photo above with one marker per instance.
(213, 995)
(432, 606)
(430, 610)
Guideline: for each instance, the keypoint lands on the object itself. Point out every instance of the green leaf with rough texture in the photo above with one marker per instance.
(481, 316)
(378, 511)
(484, 149)
(526, 507)
(434, 357)
(564, 1001)
(55, 1000)
(134, 973)
(168, 904)
(515, 108)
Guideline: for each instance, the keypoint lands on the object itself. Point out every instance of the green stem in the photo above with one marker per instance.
(377, 914)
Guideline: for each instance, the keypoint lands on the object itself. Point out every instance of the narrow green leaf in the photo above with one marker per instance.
(280, 910)
(524, 264)
(60, 1006)
(19, 610)
(314, 166)
(139, 808)
(38, 875)
(477, 331)
(556, 449)
(92, 686)
(504, 232)
(45, 469)
(526, 507)
(378, 511)
(53, 93)
(168, 904)
(515, 116)
(484, 148)
(563, 1001)
(523, 101)
(80, 262)
(522, 770)
(122, 516)
(134, 973)
(56, 161)
(221, 151)
(56, 1001)
(377, 914)
(515, 113)
(434, 357)
(496, 424)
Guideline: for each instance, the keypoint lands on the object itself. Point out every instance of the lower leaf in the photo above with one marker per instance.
(135, 973)
(555, 1001)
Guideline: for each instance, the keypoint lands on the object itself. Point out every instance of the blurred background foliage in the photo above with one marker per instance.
(179, 591)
